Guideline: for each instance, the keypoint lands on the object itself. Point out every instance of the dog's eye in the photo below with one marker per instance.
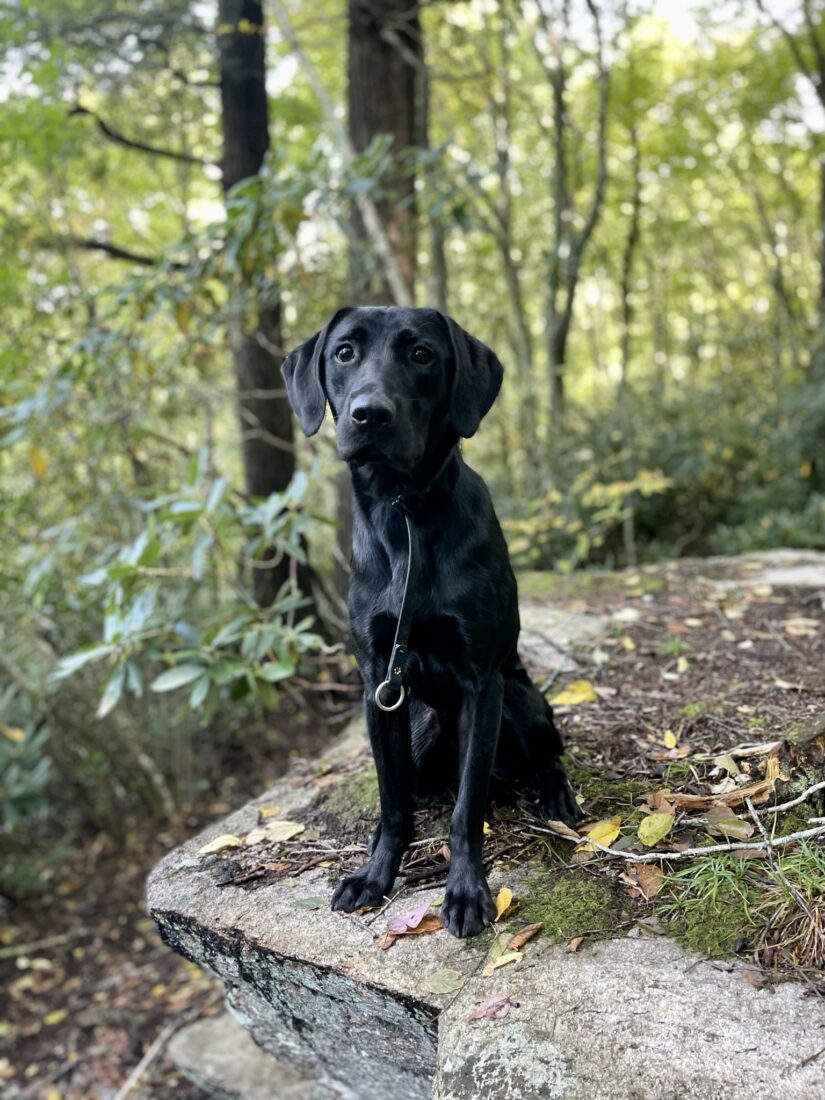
(422, 355)
(345, 353)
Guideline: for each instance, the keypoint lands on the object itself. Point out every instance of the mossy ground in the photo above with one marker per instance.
(572, 903)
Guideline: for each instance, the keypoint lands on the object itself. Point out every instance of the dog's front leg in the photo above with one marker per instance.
(468, 906)
(391, 742)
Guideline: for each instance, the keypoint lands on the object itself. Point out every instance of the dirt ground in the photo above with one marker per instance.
(694, 658)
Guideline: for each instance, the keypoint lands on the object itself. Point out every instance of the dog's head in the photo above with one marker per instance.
(397, 381)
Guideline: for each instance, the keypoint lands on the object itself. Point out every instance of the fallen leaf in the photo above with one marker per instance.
(669, 739)
(55, 1017)
(649, 877)
(220, 844)
(493, 1008)
(444, 981)
(575, 944)
(269, 810)
(659, 802)
(561, 829)
(486, 830)
(801, 627)
(520, 938)
(723, 821)
(603, 832)
(502, 960)
(431, 922)
(310, 903)
(409, 920)
(654, 828)
(580, 691)
(626, 615)
(283, 830)
(758, 791)
(626, 642)
(254, 836)
(504, 899)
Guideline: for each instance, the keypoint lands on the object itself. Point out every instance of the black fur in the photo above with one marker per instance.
(404, 385)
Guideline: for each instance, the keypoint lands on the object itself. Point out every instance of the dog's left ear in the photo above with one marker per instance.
(304, 376)
(478, 375)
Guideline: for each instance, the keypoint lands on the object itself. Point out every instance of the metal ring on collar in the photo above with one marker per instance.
(383, 706)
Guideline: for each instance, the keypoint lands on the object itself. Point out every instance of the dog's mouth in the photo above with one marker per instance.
(371, 453)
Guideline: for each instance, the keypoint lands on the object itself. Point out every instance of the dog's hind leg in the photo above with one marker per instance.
(530, 748)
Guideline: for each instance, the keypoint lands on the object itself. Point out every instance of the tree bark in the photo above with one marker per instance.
(265, 417)
(383, 60)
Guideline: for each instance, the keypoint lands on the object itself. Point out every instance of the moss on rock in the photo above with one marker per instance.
(572, 903)
(354, 796)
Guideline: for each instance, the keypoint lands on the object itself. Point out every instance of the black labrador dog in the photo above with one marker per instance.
(404, 386)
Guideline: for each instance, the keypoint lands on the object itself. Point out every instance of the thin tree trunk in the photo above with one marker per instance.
(384, 51)
(265, 418)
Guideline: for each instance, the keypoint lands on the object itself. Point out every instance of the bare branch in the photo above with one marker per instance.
(140, 146)
(90, 244)
(795, 49)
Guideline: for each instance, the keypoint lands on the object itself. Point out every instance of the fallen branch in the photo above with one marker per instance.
(688, 853)
(795, 801)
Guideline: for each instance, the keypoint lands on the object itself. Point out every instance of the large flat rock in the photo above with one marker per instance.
(621, 1019)
(632, 1018)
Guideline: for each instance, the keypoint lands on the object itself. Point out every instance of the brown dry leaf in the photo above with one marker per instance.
(517, 941)
(723, 821)
(660, 802)
(493, 1008)
(759, 791)
(575, 944)
(561, 829)
(649, 877)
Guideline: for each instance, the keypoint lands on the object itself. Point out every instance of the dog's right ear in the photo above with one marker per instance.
(304, 376)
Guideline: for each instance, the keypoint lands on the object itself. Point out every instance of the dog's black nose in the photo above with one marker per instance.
(372, 410)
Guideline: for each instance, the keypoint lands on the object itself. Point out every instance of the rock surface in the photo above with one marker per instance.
(635, 1018)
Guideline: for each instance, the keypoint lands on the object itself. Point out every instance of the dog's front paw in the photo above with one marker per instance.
(468, 907)
(557, 802)
(362, 890)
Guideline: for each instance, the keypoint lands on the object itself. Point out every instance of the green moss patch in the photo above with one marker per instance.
(572, 903)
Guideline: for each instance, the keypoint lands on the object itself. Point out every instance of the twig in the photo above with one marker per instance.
(688, 853)
(19, 949)
(154, 1051)
(795, 801)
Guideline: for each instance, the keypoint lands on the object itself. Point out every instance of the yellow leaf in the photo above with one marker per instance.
(13, 733)
(669, 739)
(580, 691)
(39, 462)
(183, 316)
(603, 832)
(487, 830)
(283, 830)
(801, 627)
(654, 827)
(682, 665)
(502, 960)
(52, 1018)
(220, 844)
(270, 810)
(627, 643)
(504, 899)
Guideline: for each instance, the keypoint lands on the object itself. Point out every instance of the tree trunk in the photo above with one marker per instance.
(384, 97)
(265, 418)
(384, 60)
